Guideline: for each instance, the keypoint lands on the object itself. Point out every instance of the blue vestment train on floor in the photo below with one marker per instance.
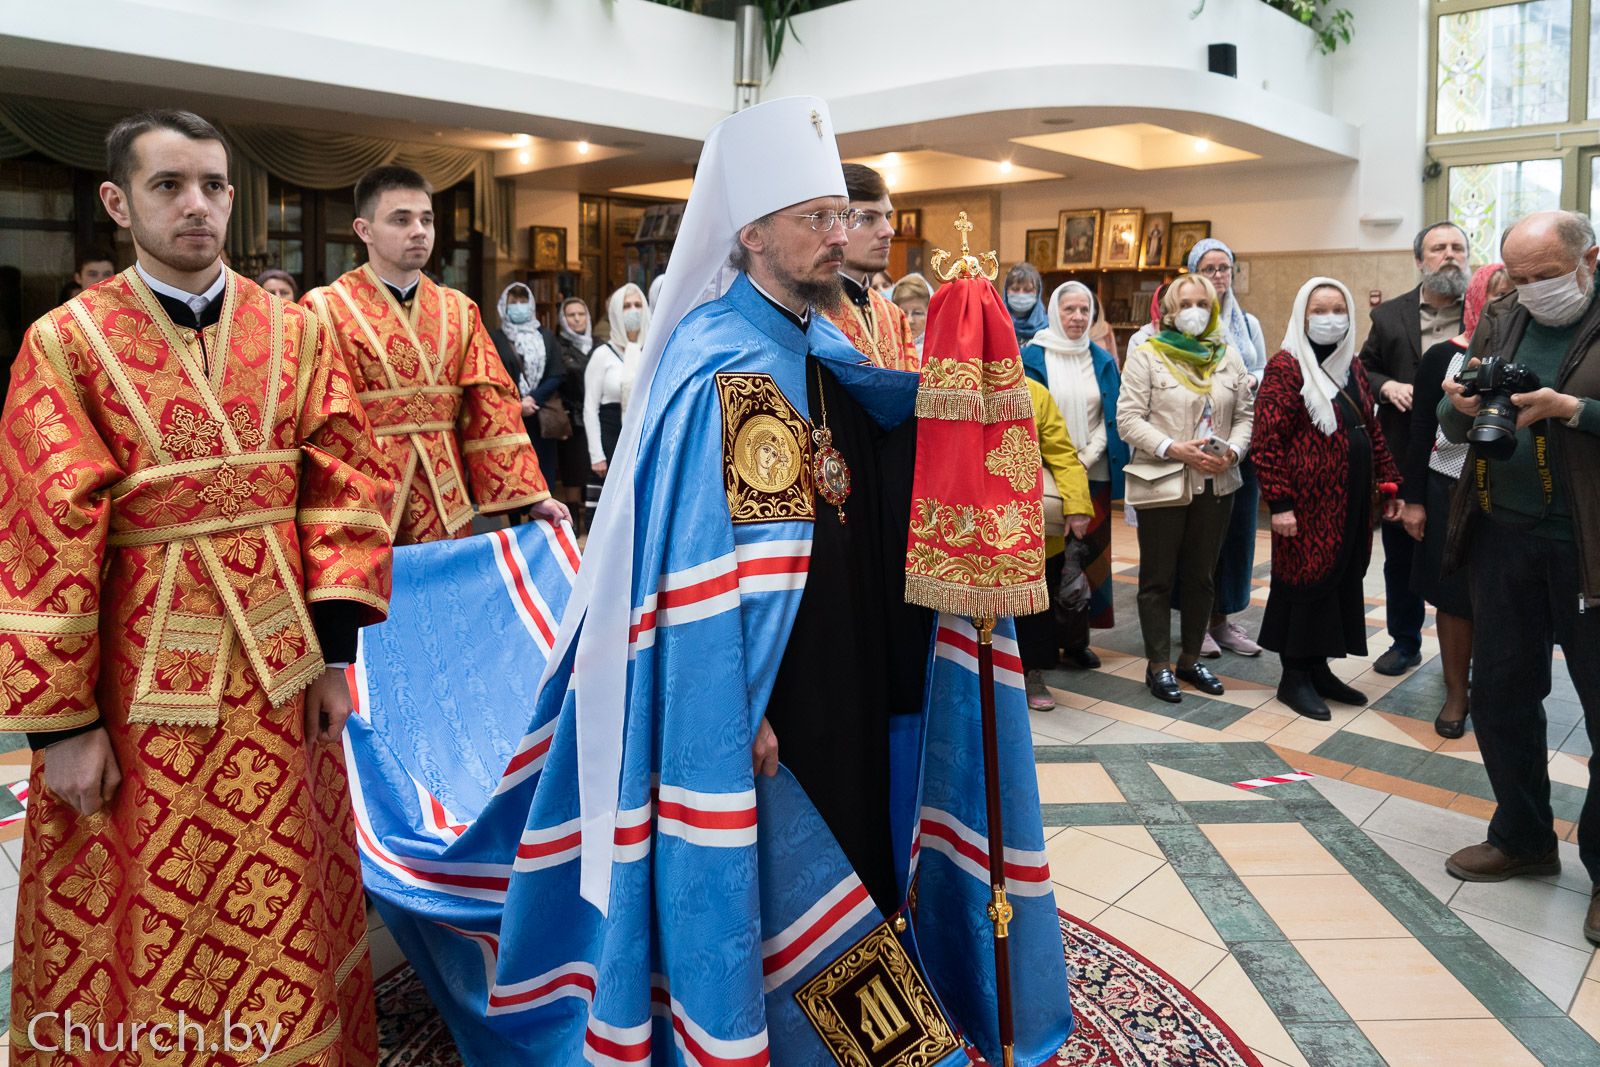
(728, 894)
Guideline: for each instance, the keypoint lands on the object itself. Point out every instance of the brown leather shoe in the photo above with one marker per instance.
(1591, 922)
(1485, 863)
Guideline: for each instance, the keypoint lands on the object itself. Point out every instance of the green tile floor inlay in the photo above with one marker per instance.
(1309, 1011)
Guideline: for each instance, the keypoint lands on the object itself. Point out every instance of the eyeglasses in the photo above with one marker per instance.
(822, 221)
(1216, 271)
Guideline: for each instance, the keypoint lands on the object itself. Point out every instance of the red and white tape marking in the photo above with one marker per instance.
(1276, 779)
(20, 791)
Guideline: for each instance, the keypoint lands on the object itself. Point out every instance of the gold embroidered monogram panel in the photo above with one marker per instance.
(766, 452)
(872, 1008)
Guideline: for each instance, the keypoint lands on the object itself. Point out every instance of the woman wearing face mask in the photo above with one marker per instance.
(1319, 455)
(1024, 291)
(574, 341)
(528, 351)
(608, 381)
(883, 283)
(1084, 382)
(1434, 465)
(911, 295)
(1186, 410)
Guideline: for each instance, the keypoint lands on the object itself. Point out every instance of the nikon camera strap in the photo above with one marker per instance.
(1547, 481)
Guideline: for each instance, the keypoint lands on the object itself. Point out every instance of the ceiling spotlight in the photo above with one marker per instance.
(524, 158)
(1005, 166)
(522, 138)
(583, 148)
(889, 180)
(1201, 144)
(891, 157)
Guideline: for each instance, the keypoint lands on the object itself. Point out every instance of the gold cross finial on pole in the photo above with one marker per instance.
(816, 120)
(984, 265)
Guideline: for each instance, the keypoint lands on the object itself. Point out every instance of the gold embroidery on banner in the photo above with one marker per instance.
(872, 1009)
(766, 461)
(1016, 458)
(965, 525)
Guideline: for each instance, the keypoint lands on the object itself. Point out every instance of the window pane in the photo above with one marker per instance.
(338, 258)
(34, 265)
(338, 212)
(1485, 200)
(463, 195)
(1594, 58)
(284, 210)
(456, 269)
(1504, 66)
(287, 255)
(34, 190)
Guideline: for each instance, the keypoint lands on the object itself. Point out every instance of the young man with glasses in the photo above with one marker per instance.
(869, 320)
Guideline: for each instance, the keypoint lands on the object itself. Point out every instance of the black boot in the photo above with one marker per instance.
(1297, 691)
(1329, 686)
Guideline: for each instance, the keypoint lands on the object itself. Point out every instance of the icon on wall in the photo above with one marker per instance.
(1078, 239)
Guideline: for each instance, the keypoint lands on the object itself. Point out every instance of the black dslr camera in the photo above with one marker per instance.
(1496, 381)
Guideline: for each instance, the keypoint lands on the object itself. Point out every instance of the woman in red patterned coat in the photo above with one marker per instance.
(1316, 451)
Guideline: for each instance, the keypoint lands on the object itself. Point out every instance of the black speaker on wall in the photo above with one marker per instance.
(1223, 59)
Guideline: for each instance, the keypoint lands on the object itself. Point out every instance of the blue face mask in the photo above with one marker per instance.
(1021, 303)
(519, 314)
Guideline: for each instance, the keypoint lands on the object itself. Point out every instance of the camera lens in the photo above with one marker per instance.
(1494, 431)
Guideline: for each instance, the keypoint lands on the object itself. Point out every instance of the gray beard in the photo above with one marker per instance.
(1448, 281)
(818, 294)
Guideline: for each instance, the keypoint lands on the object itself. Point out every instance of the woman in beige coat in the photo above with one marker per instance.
(1186, 410)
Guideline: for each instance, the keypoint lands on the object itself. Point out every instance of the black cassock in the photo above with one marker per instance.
(858, 653)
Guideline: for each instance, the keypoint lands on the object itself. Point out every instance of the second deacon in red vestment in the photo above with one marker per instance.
(872, 324)
(192, 528)
(443, 407)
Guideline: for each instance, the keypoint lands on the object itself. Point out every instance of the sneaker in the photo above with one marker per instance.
(1039, 698)
(1231, 636)
(1209, 649)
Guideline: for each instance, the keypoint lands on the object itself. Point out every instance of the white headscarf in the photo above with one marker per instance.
(1323, 378)
(753, 163)
(655, 290)
(627, 352)
(525, 338)
(1067, 363)
(581, 341)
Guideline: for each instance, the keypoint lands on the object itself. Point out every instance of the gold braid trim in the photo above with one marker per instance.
(957, 598)
(347, 965)
(484, 444)
(339, 592)
(971, 405)
(48, 623)
(44, 723)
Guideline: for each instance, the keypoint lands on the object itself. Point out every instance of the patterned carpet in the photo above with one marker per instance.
(1130, 1014)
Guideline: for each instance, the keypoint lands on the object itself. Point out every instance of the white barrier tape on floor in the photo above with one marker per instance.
(20, 791)
(1276, 779)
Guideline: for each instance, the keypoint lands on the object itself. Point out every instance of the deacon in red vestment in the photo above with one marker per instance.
(192, 528)
(870, 321)
(441, 403)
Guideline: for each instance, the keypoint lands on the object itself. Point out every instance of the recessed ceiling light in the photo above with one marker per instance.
(889, 180)
(523, 158)
(1058, 120)
(891, 157)
(583, 148)
(523, 138)
(1005, 166)
(1201, 144)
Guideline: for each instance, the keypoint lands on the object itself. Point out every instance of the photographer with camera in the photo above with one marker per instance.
(1526, 520)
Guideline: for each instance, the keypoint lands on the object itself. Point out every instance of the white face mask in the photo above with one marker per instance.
(1193, 321)
(1554, 301)
(1327, 329)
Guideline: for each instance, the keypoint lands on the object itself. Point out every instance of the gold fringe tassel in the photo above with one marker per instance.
(1029, 598)
(970, 405)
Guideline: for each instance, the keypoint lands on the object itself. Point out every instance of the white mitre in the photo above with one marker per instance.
(761, 160)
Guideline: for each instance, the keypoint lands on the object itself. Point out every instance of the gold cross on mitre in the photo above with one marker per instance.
(816, 120)
(967, 265)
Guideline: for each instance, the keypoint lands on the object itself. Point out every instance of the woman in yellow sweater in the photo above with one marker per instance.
(1036, 634)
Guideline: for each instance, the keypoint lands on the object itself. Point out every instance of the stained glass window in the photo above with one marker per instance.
(1504, 66)
(1485, 199)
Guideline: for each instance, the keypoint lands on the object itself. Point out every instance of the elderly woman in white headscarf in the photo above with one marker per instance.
(1085, 383)
(1320, 459)
(528, 351)
(608, 382)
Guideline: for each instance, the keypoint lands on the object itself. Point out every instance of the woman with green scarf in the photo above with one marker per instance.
(1186, 410)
